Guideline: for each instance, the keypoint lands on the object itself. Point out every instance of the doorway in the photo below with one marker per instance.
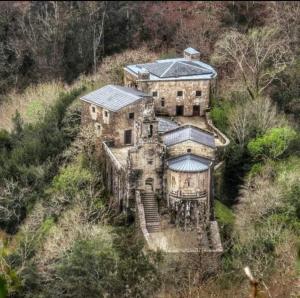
(127, 137)
(179, 110)
(196, 110)
(149, 184)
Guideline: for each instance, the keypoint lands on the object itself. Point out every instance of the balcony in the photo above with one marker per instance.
(188, 195)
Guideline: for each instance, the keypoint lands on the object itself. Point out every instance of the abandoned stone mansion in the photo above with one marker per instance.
(161, 150)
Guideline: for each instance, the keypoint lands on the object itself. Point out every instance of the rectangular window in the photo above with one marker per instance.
(93, 109)
(154, 93)
(105, 113)
(179, 93)
(162, 102)
(127, 137)
(179, 110)
(131, 115)
(189, 150)
(198, 93)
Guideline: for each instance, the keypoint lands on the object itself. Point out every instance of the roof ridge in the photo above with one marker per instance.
(167, 68)
(195, 66)
(132, 95)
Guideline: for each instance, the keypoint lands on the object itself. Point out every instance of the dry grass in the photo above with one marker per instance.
(33, 102)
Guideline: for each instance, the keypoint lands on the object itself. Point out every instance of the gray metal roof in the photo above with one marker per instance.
(165, 124)
(188, 132)
(114, 97)
(188, 163)
(176, 69)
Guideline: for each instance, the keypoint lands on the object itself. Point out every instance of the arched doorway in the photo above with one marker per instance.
(149, 184)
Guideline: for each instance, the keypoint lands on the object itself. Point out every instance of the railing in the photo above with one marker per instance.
(188, 195)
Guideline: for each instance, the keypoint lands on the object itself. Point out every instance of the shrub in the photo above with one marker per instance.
(272, 144)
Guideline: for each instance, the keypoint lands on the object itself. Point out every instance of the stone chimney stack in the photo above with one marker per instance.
(143, 74)
(191, 54)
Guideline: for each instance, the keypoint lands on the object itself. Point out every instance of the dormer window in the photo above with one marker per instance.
(179, 93)
(154, 94)
(198, 93)
(131, 115)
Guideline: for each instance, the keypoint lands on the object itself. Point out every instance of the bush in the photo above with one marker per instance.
(100, 268)
(272, 144)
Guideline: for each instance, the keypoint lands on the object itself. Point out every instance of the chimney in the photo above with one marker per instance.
(191, 54)
(143, 74)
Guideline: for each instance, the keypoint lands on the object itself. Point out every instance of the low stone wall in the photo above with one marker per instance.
(140, 218)
(224, 140)
(115, 162)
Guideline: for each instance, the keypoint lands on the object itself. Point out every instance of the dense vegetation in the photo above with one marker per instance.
(59, 234)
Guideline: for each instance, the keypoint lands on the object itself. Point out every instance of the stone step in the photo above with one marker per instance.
(151, 212)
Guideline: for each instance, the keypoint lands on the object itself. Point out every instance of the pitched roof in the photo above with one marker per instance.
(165, 124)
(175, 69)
(171, 69)
(114, 97)
(188, 163)
(189, 132)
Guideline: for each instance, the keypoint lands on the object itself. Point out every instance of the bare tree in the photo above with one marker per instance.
(258, 56)
(97, 14)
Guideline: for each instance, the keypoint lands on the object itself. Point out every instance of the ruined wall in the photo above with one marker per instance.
(167, 92)
(194, 147)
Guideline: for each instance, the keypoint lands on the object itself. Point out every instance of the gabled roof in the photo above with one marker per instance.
(189, 133)
(165, 125)
(189, 163)
(114, 97)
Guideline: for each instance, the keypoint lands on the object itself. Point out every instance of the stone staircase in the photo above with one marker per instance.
(151, 211)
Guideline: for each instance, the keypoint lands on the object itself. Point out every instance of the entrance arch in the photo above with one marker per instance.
(149, 184)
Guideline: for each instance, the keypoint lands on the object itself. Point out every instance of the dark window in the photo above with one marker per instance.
(127, 136)
(150, 162)
(150, 131)
(106, 113)
(162, 102)
(179, 93)
(179, 110)
(154, 93)
(189, 150)
(131, 115)
(93, 109)
(198, 93)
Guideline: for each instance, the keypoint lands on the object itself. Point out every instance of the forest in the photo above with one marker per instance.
(59, 233)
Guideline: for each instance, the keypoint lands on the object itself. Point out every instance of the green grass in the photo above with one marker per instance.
(223, 213)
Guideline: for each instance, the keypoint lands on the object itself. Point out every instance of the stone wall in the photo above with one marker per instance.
(187, 182)
(167, 93)
(112, 125)
(194, 147)
(147, 159)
